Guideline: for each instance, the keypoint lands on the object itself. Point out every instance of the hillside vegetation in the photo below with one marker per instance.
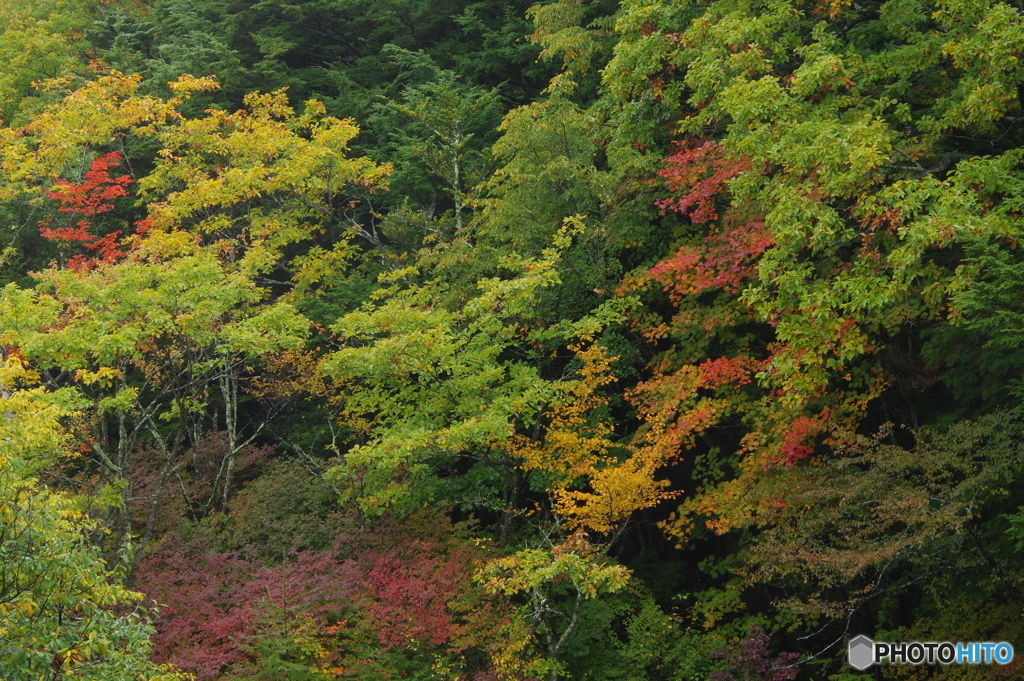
(659, 340)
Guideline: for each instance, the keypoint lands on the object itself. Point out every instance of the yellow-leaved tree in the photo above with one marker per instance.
(154, 329)
(63, 614)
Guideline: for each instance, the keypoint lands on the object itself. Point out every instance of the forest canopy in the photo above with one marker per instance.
(380, 339)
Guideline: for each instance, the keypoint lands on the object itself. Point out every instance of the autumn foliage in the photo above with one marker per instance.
(468, 341)
(92, 197)
(405, 585)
